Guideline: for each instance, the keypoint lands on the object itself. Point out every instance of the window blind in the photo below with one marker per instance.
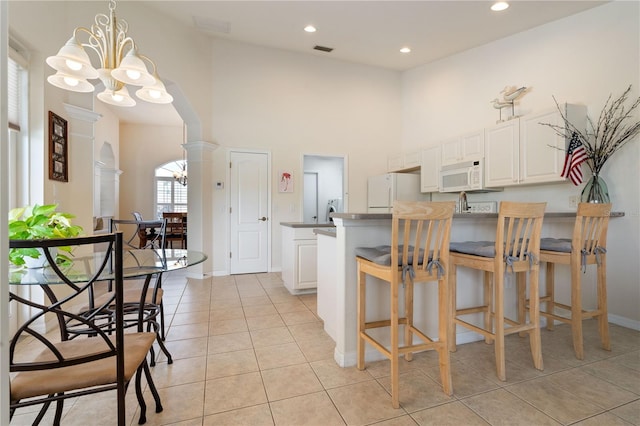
(13, 86)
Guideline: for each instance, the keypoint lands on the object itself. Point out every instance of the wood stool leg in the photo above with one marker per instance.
(362, 303)
(576, 308)
(395, 382)
(408, 315)
(498, 285)
(443, 331)
(451, 325)
(550, 290)
(534, 318)
(488, 284)
(603, 318)
(521, 299)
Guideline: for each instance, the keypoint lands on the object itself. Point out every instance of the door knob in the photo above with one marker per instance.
(263, 219)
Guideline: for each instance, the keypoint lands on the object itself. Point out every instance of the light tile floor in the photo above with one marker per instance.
(246, 352)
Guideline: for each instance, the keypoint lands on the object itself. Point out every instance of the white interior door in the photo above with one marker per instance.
(249, 221)
(310, 206)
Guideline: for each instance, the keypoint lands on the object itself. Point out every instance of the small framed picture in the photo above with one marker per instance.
(285, 182)
(58, 148)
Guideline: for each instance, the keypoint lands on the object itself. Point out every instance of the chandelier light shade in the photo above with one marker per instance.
(120, 64)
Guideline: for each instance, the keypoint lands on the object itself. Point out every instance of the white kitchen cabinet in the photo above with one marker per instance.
(542, 150)
(430, 169)
(502, 154)
(522, 151)
(299, 259)
(404, 162)
(467, 147)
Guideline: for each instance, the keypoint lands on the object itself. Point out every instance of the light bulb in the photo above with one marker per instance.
(116, 97)
(73, 65)
(133, 74)
(405, 50)
(155, 94)
(310, 29)
(70, 81)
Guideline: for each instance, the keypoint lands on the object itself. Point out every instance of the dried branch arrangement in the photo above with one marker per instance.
(614, 128)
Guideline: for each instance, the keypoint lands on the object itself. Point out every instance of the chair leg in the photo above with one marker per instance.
(576, 309)
(443, 331)
(395, 382)
(408, 315)
(534, 318)
(603, 318)
(143, 406)
(152, 387)
(451, 325)
(488, 284)
(550, 290)
(163, 348)
(498, 285)
(521, 288)
(362, 303)
(58, 415)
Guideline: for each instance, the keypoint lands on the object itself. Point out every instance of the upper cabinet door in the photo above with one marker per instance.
(542, 150)
(502, 154)
(430, 170)
(472, 145)
(467, 147)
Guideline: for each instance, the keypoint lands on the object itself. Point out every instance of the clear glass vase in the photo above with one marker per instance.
(595, 191)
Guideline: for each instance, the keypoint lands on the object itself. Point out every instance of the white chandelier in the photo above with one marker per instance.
(120, 64)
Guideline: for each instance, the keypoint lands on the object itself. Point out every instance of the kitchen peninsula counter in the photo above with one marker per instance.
(372, 229)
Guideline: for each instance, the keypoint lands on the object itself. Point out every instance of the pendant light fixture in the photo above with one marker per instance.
(120, 64)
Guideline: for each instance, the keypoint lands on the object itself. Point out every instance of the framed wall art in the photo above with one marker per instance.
(285, 181)
(58, 148)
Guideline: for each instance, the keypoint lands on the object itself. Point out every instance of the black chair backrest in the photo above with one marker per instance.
(65, 291)
(141, 233)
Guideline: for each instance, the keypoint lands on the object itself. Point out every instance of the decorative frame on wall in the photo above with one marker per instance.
(285, 181)
(58, 148)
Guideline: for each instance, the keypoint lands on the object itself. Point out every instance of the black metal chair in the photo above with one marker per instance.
(91, 353)
(143, 302)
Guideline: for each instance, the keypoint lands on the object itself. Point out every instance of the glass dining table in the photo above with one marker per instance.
(145, 264)
(137, 263)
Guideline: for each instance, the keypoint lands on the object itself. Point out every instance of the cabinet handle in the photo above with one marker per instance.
(263, 219)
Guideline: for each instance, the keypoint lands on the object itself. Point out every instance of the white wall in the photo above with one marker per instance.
(291, 104)
(581, 59)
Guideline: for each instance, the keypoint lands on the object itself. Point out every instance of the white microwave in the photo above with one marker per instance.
(466, 176)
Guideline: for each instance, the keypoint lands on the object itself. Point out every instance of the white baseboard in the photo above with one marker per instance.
(624, 322)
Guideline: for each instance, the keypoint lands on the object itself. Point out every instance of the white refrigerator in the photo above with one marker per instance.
(383, 190)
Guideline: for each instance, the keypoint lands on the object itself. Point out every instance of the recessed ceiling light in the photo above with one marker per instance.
(499, 5)
(310, 29)
(405, 50)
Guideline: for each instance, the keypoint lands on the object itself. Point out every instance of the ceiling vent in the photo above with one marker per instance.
(323, 48)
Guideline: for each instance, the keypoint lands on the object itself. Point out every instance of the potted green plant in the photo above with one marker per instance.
(40, 223)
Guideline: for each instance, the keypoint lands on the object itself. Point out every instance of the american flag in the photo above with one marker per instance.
(576, 155)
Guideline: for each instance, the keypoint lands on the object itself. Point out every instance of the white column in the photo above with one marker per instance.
(200, 193)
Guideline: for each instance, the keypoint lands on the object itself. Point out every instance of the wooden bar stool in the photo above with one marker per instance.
(419, 252)
(516, 249)
(588, 246)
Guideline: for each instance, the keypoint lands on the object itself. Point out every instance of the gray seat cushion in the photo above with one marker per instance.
(476, 248)
(556, 244)
(381, 255)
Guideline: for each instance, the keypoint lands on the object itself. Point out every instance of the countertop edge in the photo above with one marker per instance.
(374, 216)
(307, 225)
(329, 232)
